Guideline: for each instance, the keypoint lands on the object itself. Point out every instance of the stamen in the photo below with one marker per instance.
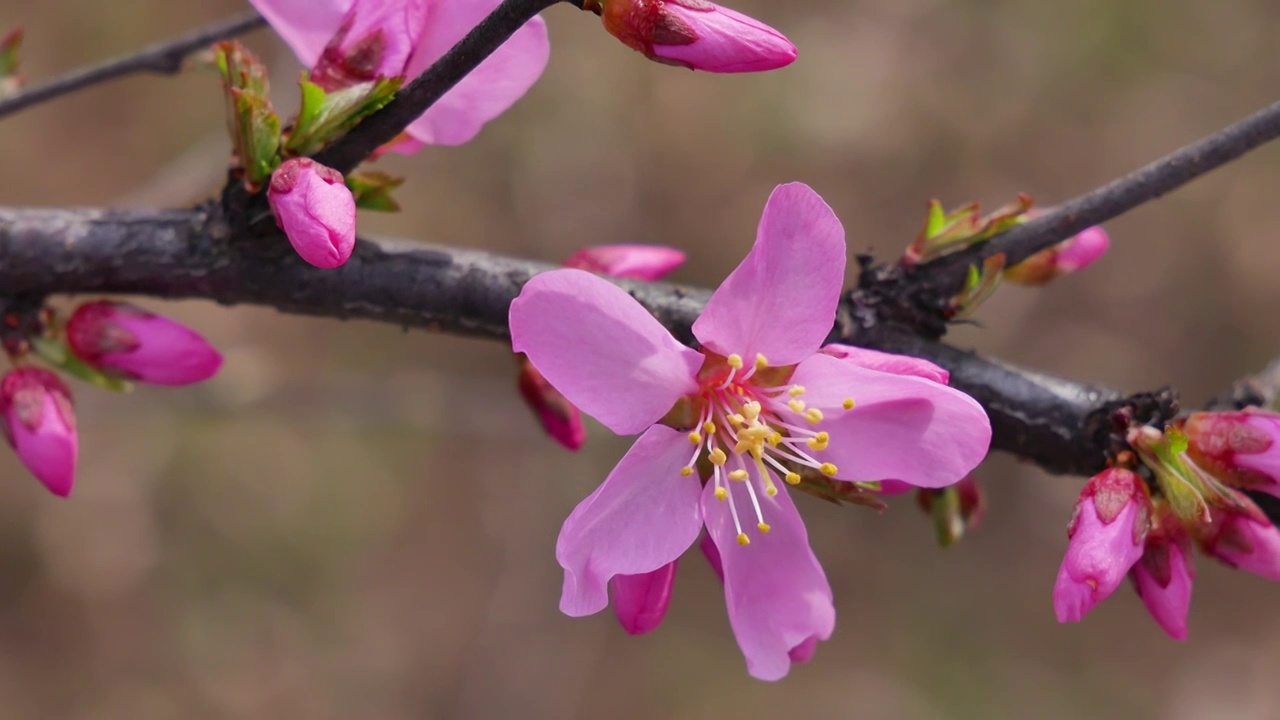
(827, 469)
(695, 437)
(792, 478)
(796, 391)
(813, 415)
(709, 427)
(764, 527)
(717, 457)
(738, 475)
(734, 361)
(736, 419)
(687, 470)
(721, 494)
(743, 540)
(751, 410)
(848, 403)
(761, 362)
(796, 405)
(769, 488)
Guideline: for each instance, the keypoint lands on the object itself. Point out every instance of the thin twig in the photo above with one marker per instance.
(1111, 200)
(419, 95)
(164, 58)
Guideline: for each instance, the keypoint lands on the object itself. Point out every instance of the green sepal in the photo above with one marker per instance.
(325, 116)
(946, 232)
(10, 60)
(948, 518)
(251, 120)
(56, 354)
(979, 286)
(372, 190)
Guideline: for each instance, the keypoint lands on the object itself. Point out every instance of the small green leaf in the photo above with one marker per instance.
(372, 190)
(325, 117)
(56, 354)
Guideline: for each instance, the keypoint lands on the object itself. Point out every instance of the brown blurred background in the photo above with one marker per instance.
(354, 521)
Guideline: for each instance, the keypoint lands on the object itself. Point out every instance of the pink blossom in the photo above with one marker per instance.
(638, 262)
(1241, 448)
(38, 420)
(722, 436)
(1106, 536)
(696, 34)
(1075, 253)
(640, 601)
(129, 342)
(354, 40)
(1243, 538)
(315, 210)
(1164, 575)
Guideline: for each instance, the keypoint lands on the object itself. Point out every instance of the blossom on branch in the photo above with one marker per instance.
(316, 211)
(351, 41)
(39, 422)
(130, 343)
(725, 429)
(1241, 448)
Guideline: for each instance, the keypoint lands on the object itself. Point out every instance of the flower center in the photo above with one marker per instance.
(752, 428)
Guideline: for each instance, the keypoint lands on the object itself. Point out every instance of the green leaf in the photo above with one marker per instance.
(325, 117)
(253, 123)
(56, 354)
(372, 190)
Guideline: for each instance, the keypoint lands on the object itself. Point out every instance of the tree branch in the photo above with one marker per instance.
(415, 98)
(946, 275)
(164, 58)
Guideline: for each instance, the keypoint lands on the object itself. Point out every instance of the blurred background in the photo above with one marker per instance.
(355, 521)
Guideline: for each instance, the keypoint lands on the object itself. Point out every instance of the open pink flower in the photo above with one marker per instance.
(362, 39)
(129, 342)
(725, 429)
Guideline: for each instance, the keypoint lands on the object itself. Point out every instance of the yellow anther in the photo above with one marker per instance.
(764, 527)
(751, 411)
(771, 491)
(796, 391)
(792, 478)
(695, 438)
(813, 415)
(722, 494)
(827, 469)
(709, 427)
(761, 362)
(796, 405)
(743, 540)
(775, 438)
(741, 447)
(848, 403)
(717, 456)
(735, 361)
(739, 475)
(736, 419)
(817, 443)
(687, 470)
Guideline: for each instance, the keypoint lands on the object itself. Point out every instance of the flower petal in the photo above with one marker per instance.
(603, 351)
(640, 601)
(900, 428)
(484, 94)
(888, 362)
(1170, 602)
(306, 26)
(1099, 555)
(778, 598)
(781, 300)
(643, 516)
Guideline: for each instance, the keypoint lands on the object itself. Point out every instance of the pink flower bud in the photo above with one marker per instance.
(696, 34)
(558, 416)
(315, 210)
(639, 262)
(1074, 253)
(1243, 538)
(39, 422)
(1239, 448)
(129, 342)
(640, 601)
(376, 39)
(1164, 575)
(1106, 537)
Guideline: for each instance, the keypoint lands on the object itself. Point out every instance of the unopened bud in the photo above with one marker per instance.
(315, 210)
(38, 420)
(130, 343)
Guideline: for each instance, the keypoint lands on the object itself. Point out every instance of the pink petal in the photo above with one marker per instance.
(778, 598)
(1168, 603)
(640, 601)
(601, 349)
(781, 300)
(643, 516)
(140, 345)
(900, 428)
(641, 262)
(38, 420)
(495, 85)
(888, 362)
(305, 25)
(712, 554)
(1099, 556)
(561, 420)
(1082, 250)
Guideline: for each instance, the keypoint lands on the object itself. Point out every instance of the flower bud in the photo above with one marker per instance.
(696, 34)
(640, 601)
(1163, 576)
(1243, 538)
(315, 210)
(1074, 253)
(38, 421)
(639, 262)
(1239, 448)
(128, 342)
(558, 416)
(1106, 537)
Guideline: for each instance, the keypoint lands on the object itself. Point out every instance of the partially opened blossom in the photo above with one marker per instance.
(696, 34)
(1164, 575)
(347, 41)
(1241, 448)
(316, 211)
(725, 429)
(1071, 255)
(129, 342)
(1243, 538)
(38, 420)
(1106, 535)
